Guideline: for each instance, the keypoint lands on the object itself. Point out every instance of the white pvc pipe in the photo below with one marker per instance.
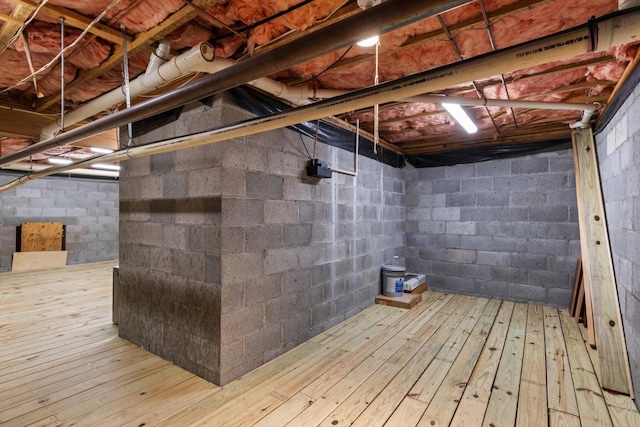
(160, 56)
(177, 67)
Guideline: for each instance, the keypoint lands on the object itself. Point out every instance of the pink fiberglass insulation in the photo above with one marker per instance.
(45, 38)
(6, 7)
(188, 35)
(547, 19)
(109, 80)
(531, 23)
(10, 145)
(146, 14)
(50, 84)
(15, 69)
(239, 13)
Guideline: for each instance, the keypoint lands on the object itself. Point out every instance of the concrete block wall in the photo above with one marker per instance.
(503, 228)
(619, 160)
(88, 208)
(237, 233)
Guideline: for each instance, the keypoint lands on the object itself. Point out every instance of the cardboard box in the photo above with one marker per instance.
(407, 300)
(420, 289)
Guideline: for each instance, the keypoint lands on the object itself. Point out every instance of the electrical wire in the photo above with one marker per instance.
(305, 147)
(71, 46)
(22, 110)
(314, 77)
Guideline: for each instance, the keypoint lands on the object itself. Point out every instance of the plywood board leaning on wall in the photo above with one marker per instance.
(597, 265)
(41, 245)
(41, 236)
(43, 260)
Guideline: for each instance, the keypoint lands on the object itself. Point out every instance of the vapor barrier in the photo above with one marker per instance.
(482, 154)
(262, 105)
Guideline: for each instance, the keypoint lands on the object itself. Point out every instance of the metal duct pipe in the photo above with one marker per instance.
(156, 76)
(384, 18)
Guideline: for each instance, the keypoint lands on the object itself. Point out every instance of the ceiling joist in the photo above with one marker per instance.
(141, 42)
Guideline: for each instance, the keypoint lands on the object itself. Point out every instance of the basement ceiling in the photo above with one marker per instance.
(101, 35)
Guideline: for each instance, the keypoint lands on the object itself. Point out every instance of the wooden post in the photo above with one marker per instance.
(586, 279)
(578, 290)
(597, 265)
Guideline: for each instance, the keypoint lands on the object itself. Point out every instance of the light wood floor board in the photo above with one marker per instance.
(452, 360)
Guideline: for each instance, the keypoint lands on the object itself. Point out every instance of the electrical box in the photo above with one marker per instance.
(318, 169)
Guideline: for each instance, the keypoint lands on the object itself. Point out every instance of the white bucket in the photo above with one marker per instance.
(393, 280)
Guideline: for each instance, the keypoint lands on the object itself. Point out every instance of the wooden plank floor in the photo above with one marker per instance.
(452, 360)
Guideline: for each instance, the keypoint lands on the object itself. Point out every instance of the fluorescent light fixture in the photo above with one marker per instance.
(461, 117)
(371, 41)
(106, 166)
(60, 161)
(101, 150)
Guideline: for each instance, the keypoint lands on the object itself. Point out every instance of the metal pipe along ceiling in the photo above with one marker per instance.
(384, 18)
(615, 29)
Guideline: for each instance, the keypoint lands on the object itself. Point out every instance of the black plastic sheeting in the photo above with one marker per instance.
(261, 105)
(482, 154)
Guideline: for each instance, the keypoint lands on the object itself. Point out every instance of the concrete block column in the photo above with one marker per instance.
(232, 255)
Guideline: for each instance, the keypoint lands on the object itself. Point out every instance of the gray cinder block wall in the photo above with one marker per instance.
(619, 160)
(231, 255)
(88, 207)
(503, 228)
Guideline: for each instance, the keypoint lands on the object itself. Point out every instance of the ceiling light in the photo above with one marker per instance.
(371, 41)
(364, 5)
(461, 117)
(59, 161)
(105, 166)
(101, 150)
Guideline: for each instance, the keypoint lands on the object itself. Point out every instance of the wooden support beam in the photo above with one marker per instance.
(76, 20)
(13, 24)
(586, 279)
(21, 124)
(597, 266)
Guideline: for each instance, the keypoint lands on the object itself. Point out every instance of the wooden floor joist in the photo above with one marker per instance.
(451, 360)
(597, 266)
